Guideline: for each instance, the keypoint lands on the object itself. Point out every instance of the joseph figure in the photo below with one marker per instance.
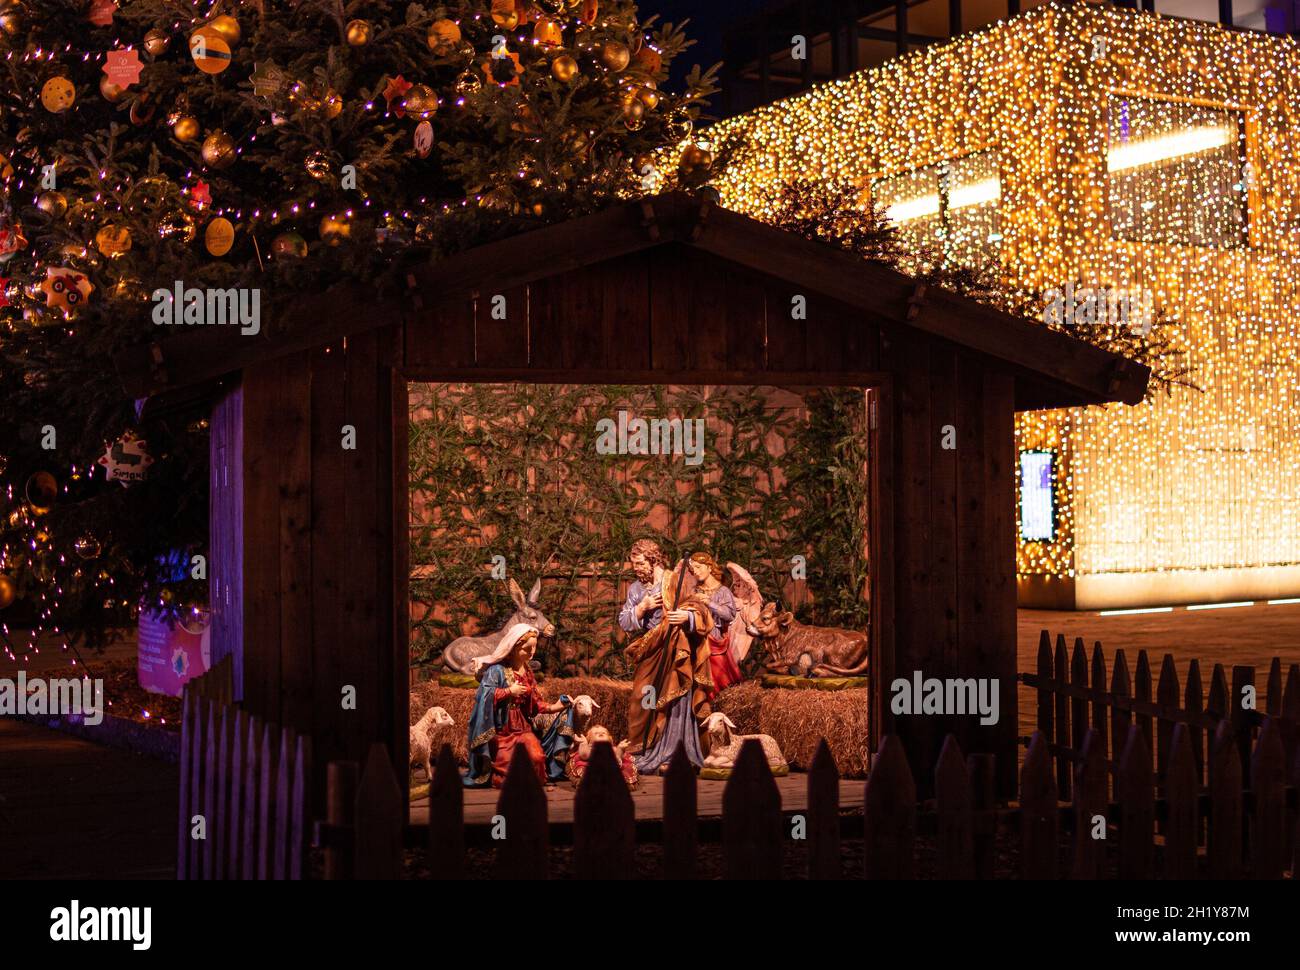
(671, 657)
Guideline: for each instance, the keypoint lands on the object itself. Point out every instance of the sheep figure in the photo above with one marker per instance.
(724, 745)
(422, 738)
(583, 707)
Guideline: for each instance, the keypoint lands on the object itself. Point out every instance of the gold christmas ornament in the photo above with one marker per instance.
(504, 14)
(186, 128)
(227, 27)
(219, 150)
(157, 41)
(359, 32)
(58, 95)
(694, 158)
(113, 241)
(564, 68)
(8, 591)
(179, 224)
(332, 104)
(289, 244)
(336, 228)
(634, 115)
(648, 97)
(112, 93)
(11, 17)
(615, 55)
(53, 203)
(547, 32)
(41, 491)
(318, 166)
(219, 236)
(589, 10)
(648, 60)
(86, 546)
(444, 35)
(468, 83)
(420, 102)
(209, 50)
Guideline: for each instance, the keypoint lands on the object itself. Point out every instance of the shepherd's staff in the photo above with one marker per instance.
(667, 654)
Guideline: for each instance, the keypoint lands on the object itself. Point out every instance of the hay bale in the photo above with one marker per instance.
(798, 719)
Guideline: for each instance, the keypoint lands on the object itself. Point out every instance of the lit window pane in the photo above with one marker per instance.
(1175, 173)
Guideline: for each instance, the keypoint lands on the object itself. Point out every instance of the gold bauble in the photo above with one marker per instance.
(318, 166)
(289, 244)
(443, 36)
(507, 19)
(336, 228)
(648, 60)
(227, 27)
(615, 55)
(53, 203)
(648, 97)
(41, 491)
(359, 32)
(548, 33)
(332, 104)
(11, 17)
(8, 590)
(564, 68)
(179, 224)
(113, 241)
(420, 102)
(219, 150)
(634, 115)
(112, 93)
(157, 41)
(694, 157)
(187, 129)
(468, 83)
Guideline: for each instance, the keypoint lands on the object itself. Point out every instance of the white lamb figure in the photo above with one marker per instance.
(724, 745)
(583, 706)
(422, 740)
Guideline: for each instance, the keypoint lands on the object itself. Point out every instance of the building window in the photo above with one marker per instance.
(1176, 173)
(1037, 496)
(946, 214)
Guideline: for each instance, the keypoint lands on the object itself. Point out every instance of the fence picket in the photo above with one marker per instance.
(446, 818)
(189, 711)
(1078, 705)
(300, 809)
(1167, 693)
(1038, 813)
(1243, 681)
(1194, 705)
(680, 817)
(1181, 820)
(889, 809)
(222, 814)
(197, 760)
(1135, 794)
(1063, 768)
(522, 854)
(982, 771)
(283, 781)
(234, 846)
(1273, 700)
(210, 794)
(1045, 684)
(1268, 830)
(952, 789)
(751, 818)
(1224, 837)
(1120, 720)
(341, 779)
(823, 815)
(604, 821)
(1090, 777)
(1142, 692)
(265, 789)
(1099, 723)
(380, 814)
(248, 851)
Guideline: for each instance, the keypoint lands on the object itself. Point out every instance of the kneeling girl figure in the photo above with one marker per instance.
(504, 708)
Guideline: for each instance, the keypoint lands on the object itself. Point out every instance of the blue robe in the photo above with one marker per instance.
(487, 717)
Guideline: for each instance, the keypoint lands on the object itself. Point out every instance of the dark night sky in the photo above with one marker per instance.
(709, 18)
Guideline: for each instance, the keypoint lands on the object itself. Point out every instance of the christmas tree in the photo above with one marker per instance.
(284, 145)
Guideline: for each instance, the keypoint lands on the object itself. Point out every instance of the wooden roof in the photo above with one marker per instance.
(1052, 369)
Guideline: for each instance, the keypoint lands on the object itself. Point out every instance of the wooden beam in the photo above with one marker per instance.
(900, 26)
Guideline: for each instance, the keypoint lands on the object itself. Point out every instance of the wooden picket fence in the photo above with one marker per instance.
(253, 798)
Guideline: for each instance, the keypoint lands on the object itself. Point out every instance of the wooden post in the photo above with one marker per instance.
(1181, 788)
(380, 815)
(1044, 685)
(1136, 797)
(340, 812)
(956, 845)
(823, 815)
(1224, 840)
(1120, 719)
(1269, 830)
(604, 821)
(889, 810)
(751, 818)
(446, 818)
(1090, 779)
(300, 813)
(523, 851)
(680, 817)
(982, 770)
(1062, 668)
(1038, 811)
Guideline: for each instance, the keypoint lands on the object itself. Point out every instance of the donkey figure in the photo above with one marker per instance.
(460, 654)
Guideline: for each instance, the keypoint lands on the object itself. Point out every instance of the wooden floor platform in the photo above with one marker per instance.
(481, 803)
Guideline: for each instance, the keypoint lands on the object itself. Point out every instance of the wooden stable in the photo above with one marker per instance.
(309, 540)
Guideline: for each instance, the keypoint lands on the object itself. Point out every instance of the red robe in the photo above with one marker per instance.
(518, 728)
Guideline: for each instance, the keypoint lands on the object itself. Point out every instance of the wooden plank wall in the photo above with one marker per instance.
(226, 518)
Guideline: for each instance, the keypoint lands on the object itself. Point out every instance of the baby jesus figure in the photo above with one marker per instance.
(585, 745)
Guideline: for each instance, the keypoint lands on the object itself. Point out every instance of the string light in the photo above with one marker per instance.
(1189, 481)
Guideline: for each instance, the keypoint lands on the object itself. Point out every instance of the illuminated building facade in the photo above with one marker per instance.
(1151, 161)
